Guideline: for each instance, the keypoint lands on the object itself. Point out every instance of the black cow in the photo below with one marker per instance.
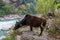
(31, 21)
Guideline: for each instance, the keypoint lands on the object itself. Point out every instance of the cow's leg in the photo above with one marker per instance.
(41, 28)
(41, 31)
(31, 28)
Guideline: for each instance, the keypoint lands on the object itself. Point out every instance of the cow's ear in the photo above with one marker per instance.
(27, 15)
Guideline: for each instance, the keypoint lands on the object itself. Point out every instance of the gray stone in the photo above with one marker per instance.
(28, 35)
(17, 37)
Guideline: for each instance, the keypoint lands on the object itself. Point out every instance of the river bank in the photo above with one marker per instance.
(6, 23)
(11, 16)
(27, 35)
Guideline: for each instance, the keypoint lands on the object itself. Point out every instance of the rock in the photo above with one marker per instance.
(58, 37)
(17, 37)
(9, 17)
(28, 35)
(50, 22)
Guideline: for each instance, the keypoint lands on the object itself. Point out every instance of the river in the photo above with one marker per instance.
(5, 25)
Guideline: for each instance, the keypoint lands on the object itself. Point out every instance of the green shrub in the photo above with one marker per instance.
(7, 9)
(12, 35)
(54, 29)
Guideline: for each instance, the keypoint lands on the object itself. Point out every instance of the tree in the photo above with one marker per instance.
(28, 7)
(1, 7)
(6, 9)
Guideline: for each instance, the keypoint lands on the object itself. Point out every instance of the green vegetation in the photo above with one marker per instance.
(27, 8)
(30, 7)
(43, 6)
(12, 35)
(54, 29)
(6, 9)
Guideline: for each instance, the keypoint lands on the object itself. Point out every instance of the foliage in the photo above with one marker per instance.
(12, 35)
(29, 8)
(1, 3)
(8, 38)
(57, 3)
(43, 6)
(6, 9)
(55, 29)
(1, 7)
(11, 9)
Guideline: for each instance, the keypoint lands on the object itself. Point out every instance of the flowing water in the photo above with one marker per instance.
(5, 25)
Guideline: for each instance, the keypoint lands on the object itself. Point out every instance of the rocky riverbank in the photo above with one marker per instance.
(32, 35)
(11, 16)
(28, 35)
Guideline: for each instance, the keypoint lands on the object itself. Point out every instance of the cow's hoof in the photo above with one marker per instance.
(39, 35)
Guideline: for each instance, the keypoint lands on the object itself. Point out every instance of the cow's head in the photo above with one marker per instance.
(22, 22)
(17, 25)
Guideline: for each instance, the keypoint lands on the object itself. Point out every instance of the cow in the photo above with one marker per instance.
(31, 21)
